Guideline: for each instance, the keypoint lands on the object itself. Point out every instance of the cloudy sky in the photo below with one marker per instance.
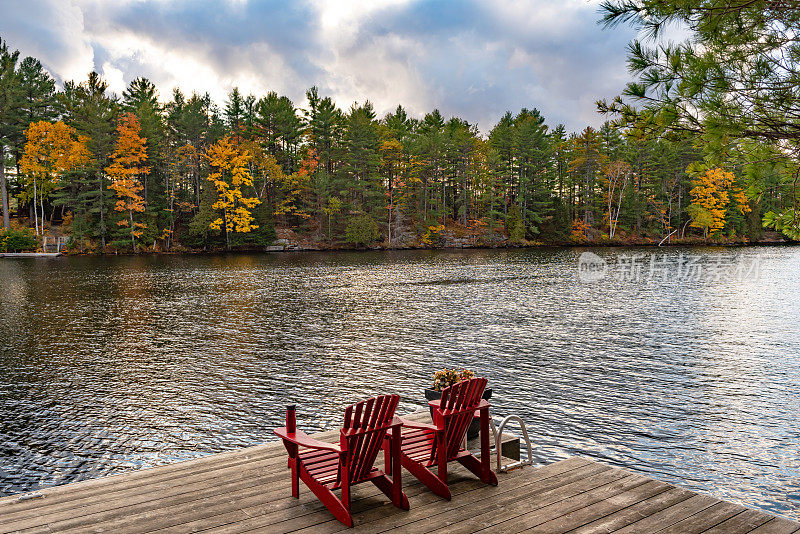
(475, 59)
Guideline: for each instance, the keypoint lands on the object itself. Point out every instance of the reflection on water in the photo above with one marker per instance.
(112, 364)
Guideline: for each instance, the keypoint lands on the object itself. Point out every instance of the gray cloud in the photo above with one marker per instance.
(51, 31)
(468, 58)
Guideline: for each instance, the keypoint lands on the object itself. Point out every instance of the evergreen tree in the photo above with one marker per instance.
(531, 151)
(325, 124)
(87, 108)
(235, 111)
(358, 175)
(10, 111)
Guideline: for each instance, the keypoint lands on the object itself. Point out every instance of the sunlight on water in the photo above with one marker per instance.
(112, 364)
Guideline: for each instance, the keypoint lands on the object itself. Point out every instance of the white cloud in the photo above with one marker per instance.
(50, 30)
(114, 77)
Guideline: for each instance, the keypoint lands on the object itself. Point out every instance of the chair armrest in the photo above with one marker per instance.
(304, 440)
(396, 424)
(415, 424)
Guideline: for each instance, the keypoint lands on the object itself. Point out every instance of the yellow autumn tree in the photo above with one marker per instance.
(51, 151)
(231, 174)
(265, 170)
(130, 153)
(296, 187)
(711, 196)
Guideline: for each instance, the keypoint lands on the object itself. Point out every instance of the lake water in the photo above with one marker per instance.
(680, 363)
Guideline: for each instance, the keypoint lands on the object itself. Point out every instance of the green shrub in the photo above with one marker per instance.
(361, 230)
(514, 224)
(17, 239)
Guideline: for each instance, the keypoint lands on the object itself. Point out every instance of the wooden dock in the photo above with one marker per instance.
(247, 490)
(29, 254)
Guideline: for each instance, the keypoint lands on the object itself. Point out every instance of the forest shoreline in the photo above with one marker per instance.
(324, 247)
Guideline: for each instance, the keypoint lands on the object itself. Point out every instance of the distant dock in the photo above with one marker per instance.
(248, 490)
(29, 254)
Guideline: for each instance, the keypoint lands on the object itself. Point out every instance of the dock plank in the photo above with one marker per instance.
(669, 516)
(247, 490)
(533, 520)
(744, 522)
(609, 505)
(705, 519)
(777, 525)
(634, 513)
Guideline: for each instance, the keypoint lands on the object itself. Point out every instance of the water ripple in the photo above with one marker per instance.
(114, 364)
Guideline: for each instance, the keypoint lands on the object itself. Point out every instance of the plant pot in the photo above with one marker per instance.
(475, 426)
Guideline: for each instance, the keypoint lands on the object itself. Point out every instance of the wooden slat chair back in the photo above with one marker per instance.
(363, 433)
(368, 426)
(426, 446)
(457, 409)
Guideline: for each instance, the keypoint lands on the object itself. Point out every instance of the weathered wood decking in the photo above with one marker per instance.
(247, 490)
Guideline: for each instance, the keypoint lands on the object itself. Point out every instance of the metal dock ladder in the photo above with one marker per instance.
(498, 438)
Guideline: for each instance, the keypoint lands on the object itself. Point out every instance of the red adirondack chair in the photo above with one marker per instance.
(427, 446)
(324, 467)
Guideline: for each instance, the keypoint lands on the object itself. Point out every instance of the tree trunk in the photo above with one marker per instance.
(586, 194)
(619, 205)
(102, 215)
(35, 209)
(680, 194)
(3, 189)
(133, 237)
(425, 200)
(610, 207)
(391, 204)
(227, 233)
(466, 200)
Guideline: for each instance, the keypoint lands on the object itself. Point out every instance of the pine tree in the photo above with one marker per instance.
(141, 98)
(235, 111)
(10, 109)
(358, 174)
(324, 136)
(93, 113)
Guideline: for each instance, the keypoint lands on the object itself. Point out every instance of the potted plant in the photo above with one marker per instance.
(446, 378)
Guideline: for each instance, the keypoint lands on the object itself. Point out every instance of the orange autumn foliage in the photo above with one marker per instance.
(711, 195)
(51, 151)
(126, 167)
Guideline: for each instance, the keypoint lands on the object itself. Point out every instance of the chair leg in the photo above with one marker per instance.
(334, 505)
(441, 457)
(345, 492)
(486, 455)
(388, 488)
(476, 468)
(396, 469)
(387, 453)
(293, 461)
(427, 477)
(295, 478)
